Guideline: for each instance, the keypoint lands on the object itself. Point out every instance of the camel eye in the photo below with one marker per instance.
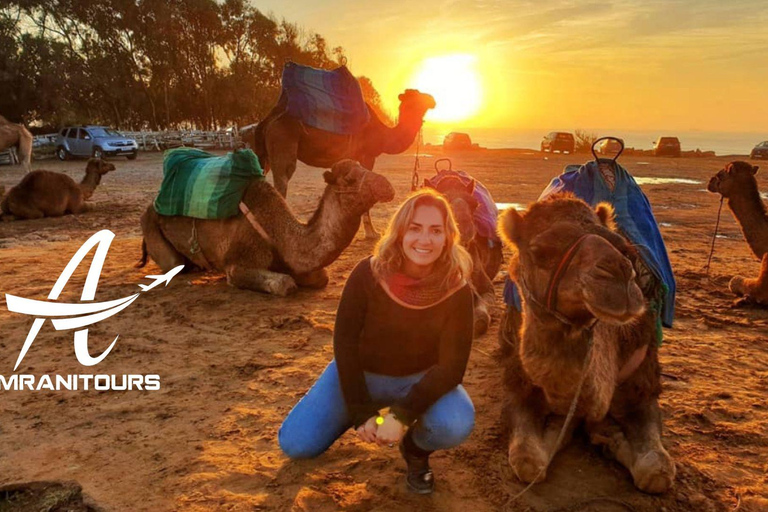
(541, 253)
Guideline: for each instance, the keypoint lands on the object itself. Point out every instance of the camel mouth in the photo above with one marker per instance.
(616, 306)
(714, 185)
(612, 302)
(383, 192)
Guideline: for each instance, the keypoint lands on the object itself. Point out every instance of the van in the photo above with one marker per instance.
(667, 146)
(558, 141)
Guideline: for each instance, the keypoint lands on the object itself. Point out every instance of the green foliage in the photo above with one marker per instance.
(148, 63)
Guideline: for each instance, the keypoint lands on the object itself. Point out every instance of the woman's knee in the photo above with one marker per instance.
(450, 425)
(298, 445)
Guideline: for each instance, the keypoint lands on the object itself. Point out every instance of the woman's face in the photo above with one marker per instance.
(424, 238)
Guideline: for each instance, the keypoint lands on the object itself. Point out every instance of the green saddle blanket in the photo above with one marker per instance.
(205, 186)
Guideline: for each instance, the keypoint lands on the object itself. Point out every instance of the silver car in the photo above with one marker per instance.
(95, 141)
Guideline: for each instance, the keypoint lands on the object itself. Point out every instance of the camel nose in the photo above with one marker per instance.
(383, 190)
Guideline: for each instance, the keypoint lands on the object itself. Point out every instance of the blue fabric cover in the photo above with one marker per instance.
(327, 100)
(633, 217)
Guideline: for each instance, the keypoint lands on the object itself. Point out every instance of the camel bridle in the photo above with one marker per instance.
(550, 303)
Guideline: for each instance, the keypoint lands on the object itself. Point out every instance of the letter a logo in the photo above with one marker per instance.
(102, 239)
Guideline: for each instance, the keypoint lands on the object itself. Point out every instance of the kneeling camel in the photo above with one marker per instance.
(267, 249)
(585, 317)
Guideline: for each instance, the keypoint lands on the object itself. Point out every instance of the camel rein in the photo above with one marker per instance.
(714, 236)
(588, 332)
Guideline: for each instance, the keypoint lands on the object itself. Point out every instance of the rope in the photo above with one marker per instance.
(568, 418)
(714, 236)
(415, 176)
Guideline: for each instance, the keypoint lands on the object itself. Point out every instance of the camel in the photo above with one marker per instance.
(486, 259)
(756, 289)
(737, 183)
(15, 135)
(279, 140)
(267, 249)
(53, 194)
(584, 312)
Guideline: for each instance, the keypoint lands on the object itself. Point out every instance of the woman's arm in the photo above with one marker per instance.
(455, 345)
(350, 318)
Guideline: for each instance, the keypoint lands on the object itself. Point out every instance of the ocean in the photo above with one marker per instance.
(722, 143)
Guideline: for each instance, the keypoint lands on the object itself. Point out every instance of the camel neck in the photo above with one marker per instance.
(401, 136)
(751, 214)
(90, 181)
(304, 247)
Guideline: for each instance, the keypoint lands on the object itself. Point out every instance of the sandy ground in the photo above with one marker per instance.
(232, 363)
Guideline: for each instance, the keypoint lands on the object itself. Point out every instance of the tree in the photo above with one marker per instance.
(583, 141)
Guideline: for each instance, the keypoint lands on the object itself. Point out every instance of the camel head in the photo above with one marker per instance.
(94, 170)
(98, 166)
(736, 177)
(358, 188)
(463, 204)
(414, 104)
(598, 281)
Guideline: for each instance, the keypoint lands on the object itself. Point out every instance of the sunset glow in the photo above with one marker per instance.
(455, 84)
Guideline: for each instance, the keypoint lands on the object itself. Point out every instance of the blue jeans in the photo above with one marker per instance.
(321, 416)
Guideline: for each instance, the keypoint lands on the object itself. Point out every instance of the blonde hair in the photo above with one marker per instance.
(388, 254)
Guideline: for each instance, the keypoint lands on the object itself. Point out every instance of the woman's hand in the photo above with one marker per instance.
(389, 432)
(368, 430)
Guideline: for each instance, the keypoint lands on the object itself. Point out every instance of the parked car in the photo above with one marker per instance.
(760, 151)
(95, 141)
(558, 141)
(609, 147)
(666, 146)
(456, 141)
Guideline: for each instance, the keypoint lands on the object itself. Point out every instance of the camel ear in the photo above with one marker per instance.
(754, 169)
(329, 177)
(607, 215)
(471, 187)
(427, 184)
(511, 227)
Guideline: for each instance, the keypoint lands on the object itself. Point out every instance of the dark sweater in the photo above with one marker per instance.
(374, 333)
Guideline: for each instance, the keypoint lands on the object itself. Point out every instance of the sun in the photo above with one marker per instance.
(455, 85)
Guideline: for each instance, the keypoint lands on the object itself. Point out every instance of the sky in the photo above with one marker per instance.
(693, 65)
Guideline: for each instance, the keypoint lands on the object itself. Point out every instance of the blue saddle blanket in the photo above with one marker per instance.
(486, 214)
(634, 218)
(327, 100)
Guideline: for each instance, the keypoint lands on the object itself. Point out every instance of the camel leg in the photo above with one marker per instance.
(283, 150)
(158, 248)
(524, 416)
(316, 279)
(261, 280)
(370, 231)
(533, 442)
(635, 441)
(25, 149)
(756, 288)
(23, 209)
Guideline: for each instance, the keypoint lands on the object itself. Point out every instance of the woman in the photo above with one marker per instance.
(402, 340)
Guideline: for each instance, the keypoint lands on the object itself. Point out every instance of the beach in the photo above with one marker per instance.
(233, 362)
